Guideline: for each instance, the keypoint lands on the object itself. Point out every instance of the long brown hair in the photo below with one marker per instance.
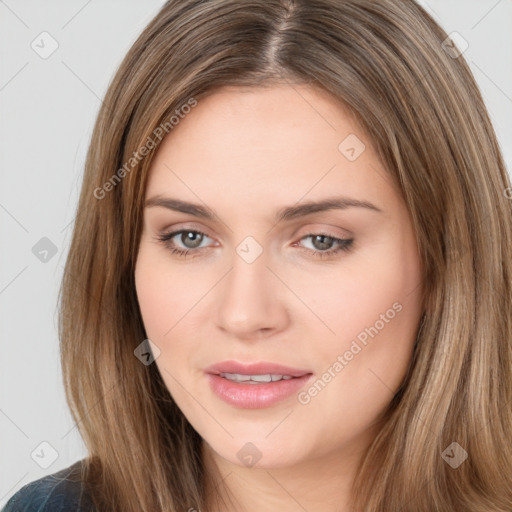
(418, 102)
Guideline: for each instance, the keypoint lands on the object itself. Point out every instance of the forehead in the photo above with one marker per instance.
(249, 143)
(245, 115)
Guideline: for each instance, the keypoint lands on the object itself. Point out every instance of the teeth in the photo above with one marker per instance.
(281, 377)
(261, 378)
(237, 377)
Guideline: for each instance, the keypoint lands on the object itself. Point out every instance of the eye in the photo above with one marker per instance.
(189, 238)
(322, 241)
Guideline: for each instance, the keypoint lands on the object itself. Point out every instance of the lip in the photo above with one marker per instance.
(259, 368)
(260, 395)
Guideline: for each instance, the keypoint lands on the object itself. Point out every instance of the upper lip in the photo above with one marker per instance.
(259, 368)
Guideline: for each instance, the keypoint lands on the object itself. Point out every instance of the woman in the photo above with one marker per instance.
(289, 283)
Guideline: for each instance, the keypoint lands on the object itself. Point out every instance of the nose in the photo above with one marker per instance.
(251, 301)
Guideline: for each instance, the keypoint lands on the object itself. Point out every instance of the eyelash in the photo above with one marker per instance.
(344, 244)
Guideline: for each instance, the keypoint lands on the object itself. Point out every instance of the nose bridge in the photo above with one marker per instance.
(249, 302)
(248, 278)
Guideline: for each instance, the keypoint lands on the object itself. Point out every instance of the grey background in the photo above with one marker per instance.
(47, 111)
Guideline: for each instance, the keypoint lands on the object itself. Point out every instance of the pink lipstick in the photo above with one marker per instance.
(255, 385)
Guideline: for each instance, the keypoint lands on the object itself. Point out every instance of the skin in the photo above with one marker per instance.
(245, 153)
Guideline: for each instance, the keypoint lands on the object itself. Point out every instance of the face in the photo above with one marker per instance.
(331, 291)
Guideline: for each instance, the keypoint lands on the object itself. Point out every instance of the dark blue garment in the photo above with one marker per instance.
(59, 492)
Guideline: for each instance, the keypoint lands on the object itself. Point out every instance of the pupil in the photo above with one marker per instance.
(189, 237)
(323, 244)
(320, 241)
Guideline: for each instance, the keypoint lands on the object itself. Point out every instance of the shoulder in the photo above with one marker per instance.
(58, 492)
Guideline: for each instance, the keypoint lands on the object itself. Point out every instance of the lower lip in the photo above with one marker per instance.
(255, 396)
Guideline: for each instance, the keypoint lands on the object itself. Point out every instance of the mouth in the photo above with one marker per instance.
(255, 385)
(260, 369)
(255, 379)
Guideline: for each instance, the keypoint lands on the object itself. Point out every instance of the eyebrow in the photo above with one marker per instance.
(283, 214)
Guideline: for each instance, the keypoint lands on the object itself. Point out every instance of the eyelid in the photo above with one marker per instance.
(188, 226)
(324, 229)
(344, 243)
(298, 234)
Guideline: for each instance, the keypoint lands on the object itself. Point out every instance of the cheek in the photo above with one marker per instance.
(374, 311)
(164, 294)
(369, 312)
(155, 301)
(359, 294)
(164, 299)
(362, 373)
(170, 301)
